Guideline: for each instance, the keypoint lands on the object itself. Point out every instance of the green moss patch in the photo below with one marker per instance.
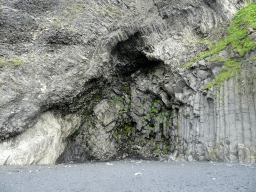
(15, 61)
(237, 32)
(125, 131)
(230, 69)
(238, 39)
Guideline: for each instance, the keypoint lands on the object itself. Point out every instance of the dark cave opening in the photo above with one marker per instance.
(128, 59)
(129, 56)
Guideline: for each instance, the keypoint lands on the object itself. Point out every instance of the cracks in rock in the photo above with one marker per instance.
(128, 62)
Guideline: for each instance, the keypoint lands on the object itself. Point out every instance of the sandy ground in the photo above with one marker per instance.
(130, 175)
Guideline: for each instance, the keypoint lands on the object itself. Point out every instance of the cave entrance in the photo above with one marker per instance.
(128, 59)
(129, 56)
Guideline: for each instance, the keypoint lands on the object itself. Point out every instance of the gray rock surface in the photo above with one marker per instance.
(42, 144)
(116, 69)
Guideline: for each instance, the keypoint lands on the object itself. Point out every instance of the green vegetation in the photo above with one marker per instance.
(157, 151)
(254, 58)
(127, 88)
(166, 149)
(109, 12)
(116, 100)
(150, 128)
(230, 69)
(218, 59)
(56, 24)
(116, 134)
(127, 130)
(170, 119)
(73, 10)
(161, 119)
(15, 61)
(214, 154)
(190, 63)
(144, 118)
(122, 110)
(238, 39)
(76, 8)
(153, 108)
(73, 30)
(97, 96)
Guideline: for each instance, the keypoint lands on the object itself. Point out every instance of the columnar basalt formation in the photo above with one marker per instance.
(103, 80)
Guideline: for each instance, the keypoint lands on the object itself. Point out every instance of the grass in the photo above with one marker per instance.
(217, 59)
(189, 64)
(231, 67)
(15, 61)
(73, 30)
(238, 39)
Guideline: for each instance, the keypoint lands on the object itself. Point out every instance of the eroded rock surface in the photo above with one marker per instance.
(41, 144)
(116, 70)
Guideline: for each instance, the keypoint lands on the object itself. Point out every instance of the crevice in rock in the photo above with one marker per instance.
(129, 56)
(129, 61)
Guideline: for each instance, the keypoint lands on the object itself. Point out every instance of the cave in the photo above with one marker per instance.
(118, 82)
(129, 56)
(127, 95)
(128, 60)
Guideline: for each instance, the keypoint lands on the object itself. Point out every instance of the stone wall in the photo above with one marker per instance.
(113, 75)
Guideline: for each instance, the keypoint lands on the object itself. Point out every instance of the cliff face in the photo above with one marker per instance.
(106, 79)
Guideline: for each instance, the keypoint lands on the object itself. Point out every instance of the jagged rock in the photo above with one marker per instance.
(224, 55)
(253, 36)
(42, 144)
(121, 81)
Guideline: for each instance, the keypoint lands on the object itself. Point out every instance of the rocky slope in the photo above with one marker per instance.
(106, 79)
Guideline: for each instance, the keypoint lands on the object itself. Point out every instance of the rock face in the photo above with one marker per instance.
(101, 80)
(41, 144)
